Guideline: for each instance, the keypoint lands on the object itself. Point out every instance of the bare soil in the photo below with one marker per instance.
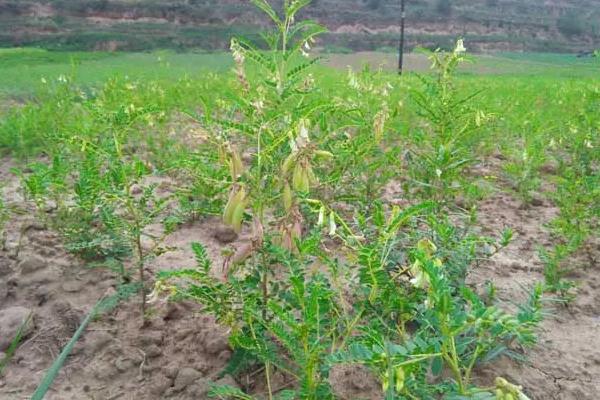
(180, 350)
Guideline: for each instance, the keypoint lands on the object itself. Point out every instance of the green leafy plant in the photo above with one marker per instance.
(100, 202)
(124, 173)
(293, 330)
(444, 145)
(524, 171)
(469, 331)
(576, 195)
(264, 134)
(367, 149)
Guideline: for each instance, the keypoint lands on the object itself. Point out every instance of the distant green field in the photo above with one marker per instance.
(557, 65)
(24, 69)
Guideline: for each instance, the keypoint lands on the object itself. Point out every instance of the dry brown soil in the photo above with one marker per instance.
(180, 350)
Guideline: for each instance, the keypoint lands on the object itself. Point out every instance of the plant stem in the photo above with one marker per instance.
(450, 354)
(471, 365)
(140, 256)
(268, 374)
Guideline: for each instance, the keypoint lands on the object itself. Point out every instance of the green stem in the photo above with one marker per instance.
(469, 369)
(268, 374)
(450, 354)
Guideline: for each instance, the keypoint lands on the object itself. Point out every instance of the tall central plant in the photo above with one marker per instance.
(264, 134)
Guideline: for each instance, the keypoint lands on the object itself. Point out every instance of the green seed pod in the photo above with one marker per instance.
(287, 197)
(238, 216)
(287, 163)
(300, 178)
(385, 382)
(236, 166)
(400, 377)
(297, 176)
(235, 197)
(230, 206)
(221, 151)
(306, 181)
(312, 178)
(499, 394)
(323, 154)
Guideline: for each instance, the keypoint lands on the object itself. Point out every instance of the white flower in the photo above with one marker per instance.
(293, 146)
(259, 105)
(460, 47)
(303, 131)
(332, 225)
(352, 80)
(321, 220)
(237, 52)
(420, 279)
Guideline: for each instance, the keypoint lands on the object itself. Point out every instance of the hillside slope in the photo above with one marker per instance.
(534, 25)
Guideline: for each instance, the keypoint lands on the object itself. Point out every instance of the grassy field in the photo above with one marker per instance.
(337, 224)
(23, 69)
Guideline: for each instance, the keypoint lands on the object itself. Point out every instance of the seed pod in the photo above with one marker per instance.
(312, 178)
(385, 382)
(237, 196)
(323, 153)
(287, 163)
(399, 379)
(222, 153)
(236, 167)
(230, 206)
(296, 231)
(287, 197)
(307, 179)
(297, 177)
(300, 178)
(499, 394)
(238, 216)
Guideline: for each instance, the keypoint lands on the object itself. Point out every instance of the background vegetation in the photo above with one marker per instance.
(560, 26)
